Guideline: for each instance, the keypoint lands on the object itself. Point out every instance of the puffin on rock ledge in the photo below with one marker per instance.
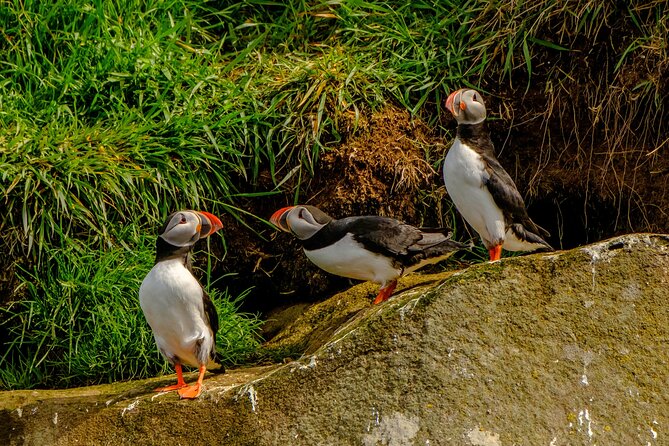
(379, 249)
(181, 314)
(482, 191)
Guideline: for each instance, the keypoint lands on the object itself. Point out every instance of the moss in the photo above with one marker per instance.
(526, 349)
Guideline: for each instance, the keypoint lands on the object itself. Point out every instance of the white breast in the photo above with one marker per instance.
(349, 258)
(171, 299)
(464, 173)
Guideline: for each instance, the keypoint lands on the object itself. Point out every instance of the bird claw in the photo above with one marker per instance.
(190, 392)
(385, 292)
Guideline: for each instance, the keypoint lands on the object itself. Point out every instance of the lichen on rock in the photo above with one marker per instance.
(559, 348)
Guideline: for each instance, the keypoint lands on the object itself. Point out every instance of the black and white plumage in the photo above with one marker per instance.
(181, 314)
(482, 191)
(379, 249)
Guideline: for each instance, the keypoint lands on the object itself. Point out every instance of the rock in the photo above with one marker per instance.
(563, 348)
(318, 322)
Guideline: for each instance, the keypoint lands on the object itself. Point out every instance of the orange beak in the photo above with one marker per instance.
(209, 223)
(278, 218)
(451, 99)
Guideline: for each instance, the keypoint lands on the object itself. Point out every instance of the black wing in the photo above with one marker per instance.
(506, 195)
(211, 318)
(382, 235)
(406, 244)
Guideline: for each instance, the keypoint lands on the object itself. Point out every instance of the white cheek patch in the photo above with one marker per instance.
(180, 235)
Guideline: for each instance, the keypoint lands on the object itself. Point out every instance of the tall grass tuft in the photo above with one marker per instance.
(117, 111)
(80, 322)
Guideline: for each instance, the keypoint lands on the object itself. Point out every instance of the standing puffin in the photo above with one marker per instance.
(482, 191)
(181, 314)
(373, 248)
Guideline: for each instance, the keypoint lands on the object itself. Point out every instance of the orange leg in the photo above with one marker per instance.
(385, 292)
(495, 253)
(194, 390)
(180, 381)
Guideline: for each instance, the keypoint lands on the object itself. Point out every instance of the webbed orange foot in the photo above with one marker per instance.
(191, 392)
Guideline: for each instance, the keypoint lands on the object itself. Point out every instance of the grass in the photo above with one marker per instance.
(80, 322)
(113, 114)
(167, 104)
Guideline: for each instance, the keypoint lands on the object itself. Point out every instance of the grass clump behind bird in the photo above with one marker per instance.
(79, 321)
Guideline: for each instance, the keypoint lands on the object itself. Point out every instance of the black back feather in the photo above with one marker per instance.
(498, 181)
(405, 244)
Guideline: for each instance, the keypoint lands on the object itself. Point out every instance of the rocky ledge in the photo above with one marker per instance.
(564, 348)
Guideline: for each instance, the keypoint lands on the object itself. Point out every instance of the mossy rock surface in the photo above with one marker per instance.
(564, 348)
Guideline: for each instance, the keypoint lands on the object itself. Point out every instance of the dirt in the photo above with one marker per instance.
(382, 170)
(390, 165)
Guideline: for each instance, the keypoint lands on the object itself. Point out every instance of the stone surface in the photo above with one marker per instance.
(568, 348)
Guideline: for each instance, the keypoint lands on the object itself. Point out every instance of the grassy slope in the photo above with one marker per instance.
(112, 115)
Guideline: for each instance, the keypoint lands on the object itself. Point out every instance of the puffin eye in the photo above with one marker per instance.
(301, 214)
(183, 219)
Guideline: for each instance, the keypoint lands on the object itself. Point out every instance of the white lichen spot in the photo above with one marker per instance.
(577, 354)
(553, 442)
(594, 253)
(19, 412)
(108, 402)
(480, 437)
(156, 395)
(394, 430)
(584, 421)
(632, 292)
(129, 407)
(375, 419)
(601, 252)
(55, 418)
(253, 398)
(311, 365)
(408, 308)
(633, 392)
(33, 411)
(653, 432)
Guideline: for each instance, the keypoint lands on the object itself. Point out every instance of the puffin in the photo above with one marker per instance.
(482, 191)
(181, 314)
(379, 249)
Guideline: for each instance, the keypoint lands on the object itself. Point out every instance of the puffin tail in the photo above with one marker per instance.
(440, 240)
(443, 248)
(542, 232)
(434, 246)
(523, 234)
